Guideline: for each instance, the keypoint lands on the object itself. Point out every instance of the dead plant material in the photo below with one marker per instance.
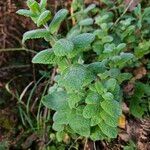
(139, 131)
(11, 27)
(140, 72)
(129, 89)
(133, 5)
(28, 142)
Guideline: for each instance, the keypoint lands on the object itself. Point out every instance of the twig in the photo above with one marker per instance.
(116, 22)
(74, 143)
(85, 144)
(17, 49)
(53, 76)
(94, 146)
(14, 67)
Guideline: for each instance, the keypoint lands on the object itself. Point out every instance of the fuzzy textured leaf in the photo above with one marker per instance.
(57, 20)
(35, 34)
(33, 5)
(43, 18)
(56, 100)
(80, 125)
(90, 110)
(83, 40)
(111, 132)
(75, 77)
(44, 57)
(100, 87)
(97, 67)
(86, 22)
(43, 4)
(58, 127)
(111, 121)
(63, 47)
(111, 84)
(61, 117)
(97, 134)
(92, 98)
(26, 13)
(108, 96)
(73, 99)
(113, 108)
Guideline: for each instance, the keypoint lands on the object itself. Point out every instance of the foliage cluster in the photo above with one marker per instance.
(90, 59)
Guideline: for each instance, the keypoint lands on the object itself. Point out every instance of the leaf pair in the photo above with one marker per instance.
(74, 45)
(62, 47)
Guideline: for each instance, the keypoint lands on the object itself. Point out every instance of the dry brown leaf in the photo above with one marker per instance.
(124, 136)
(125, 108)
(140, 72)
(28, 142)
(66, 139)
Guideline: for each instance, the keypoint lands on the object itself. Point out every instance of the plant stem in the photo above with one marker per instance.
(85, 144)
(17, 49)
(116, 22)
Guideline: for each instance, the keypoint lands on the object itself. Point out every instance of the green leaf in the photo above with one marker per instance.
(74, 31)
(73, 99)
(109, 120)
(111, 84)
(35, 34)
(97, 67)
(43, 4)
(89, 8)
(77, 4)
(62, 63)
(56, 100)
(58, 127)
(26, 13)
(61, 116)
(44, 57)
(113, 108)
(63, 47)
(126, 57)
(107, 39)
(34, 6)
(97, 134)
(81, 43)
(43, 18)
(95, 120)
(142, 49)
(122, 60)
(135, 108)
(83, 40)
(120, 47)
(109, 48)
(114, 72)
(57, 20)
(76, 77)
(92, 98)
(86, 22)
(60, 136)
(90, 110)
(124, 76)
(100, 87)
(108, 96)
(111, 132)
(80, 125)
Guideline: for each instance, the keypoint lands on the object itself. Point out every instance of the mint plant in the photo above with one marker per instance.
(87, 95)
